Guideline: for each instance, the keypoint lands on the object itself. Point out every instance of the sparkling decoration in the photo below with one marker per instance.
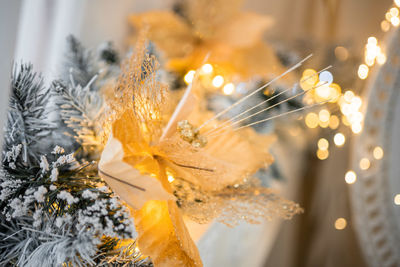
(190, 134)
(164, 167)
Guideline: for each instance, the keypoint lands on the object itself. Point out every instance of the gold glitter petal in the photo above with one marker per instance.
(163, 236)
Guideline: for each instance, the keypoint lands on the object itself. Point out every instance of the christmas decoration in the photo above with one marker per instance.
(164, 157)
(204, 174)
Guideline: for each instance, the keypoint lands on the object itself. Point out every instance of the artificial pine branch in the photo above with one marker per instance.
(28, 117)
(61, 214)
(82, 64)
(78, 94)
(81, 110)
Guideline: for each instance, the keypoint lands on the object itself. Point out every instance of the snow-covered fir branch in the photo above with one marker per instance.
(69, 207)
(28, 116)
(79, 94)
(83, 64)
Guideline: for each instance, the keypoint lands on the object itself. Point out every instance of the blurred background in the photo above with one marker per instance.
(339, 162)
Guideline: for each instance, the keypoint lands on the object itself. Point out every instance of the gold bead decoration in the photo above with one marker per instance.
(191, 134)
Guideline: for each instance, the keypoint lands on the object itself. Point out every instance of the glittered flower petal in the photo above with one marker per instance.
(133, 187)
(169, 32)
(163, 236)
(248, 24)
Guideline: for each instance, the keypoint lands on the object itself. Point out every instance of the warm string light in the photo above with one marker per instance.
(339, 139)
(207, 69)
(209, 78)
(323, 144)
(334, 122)
(373, 51)
(350, 177)
(378, 153)
(311, 120)
(363, 71)
(340, 223)
(396, 199)
(228, 89)
(325, 89)
(322, 152)
(349, 105)
(365, 164)
(218, 81)
(188, 78)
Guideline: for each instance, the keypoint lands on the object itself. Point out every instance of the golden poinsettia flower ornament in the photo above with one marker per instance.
(232, 38)
(163, 166)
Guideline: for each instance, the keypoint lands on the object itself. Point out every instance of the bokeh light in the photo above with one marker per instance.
(323, 144)
(395, 21)
(311, 120)
(385, 25)
(309, 79)
(228, 89)
(218, 81)
(363, 71)
(350, 177)
(207, 69)
(334, 122)
(341, 53)
(339, 139)
(378, 152)
(356, 128)
(364, 164)
(324, 115)
(188, 78)
(322, 154)
(397, 199)
(340, 223)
